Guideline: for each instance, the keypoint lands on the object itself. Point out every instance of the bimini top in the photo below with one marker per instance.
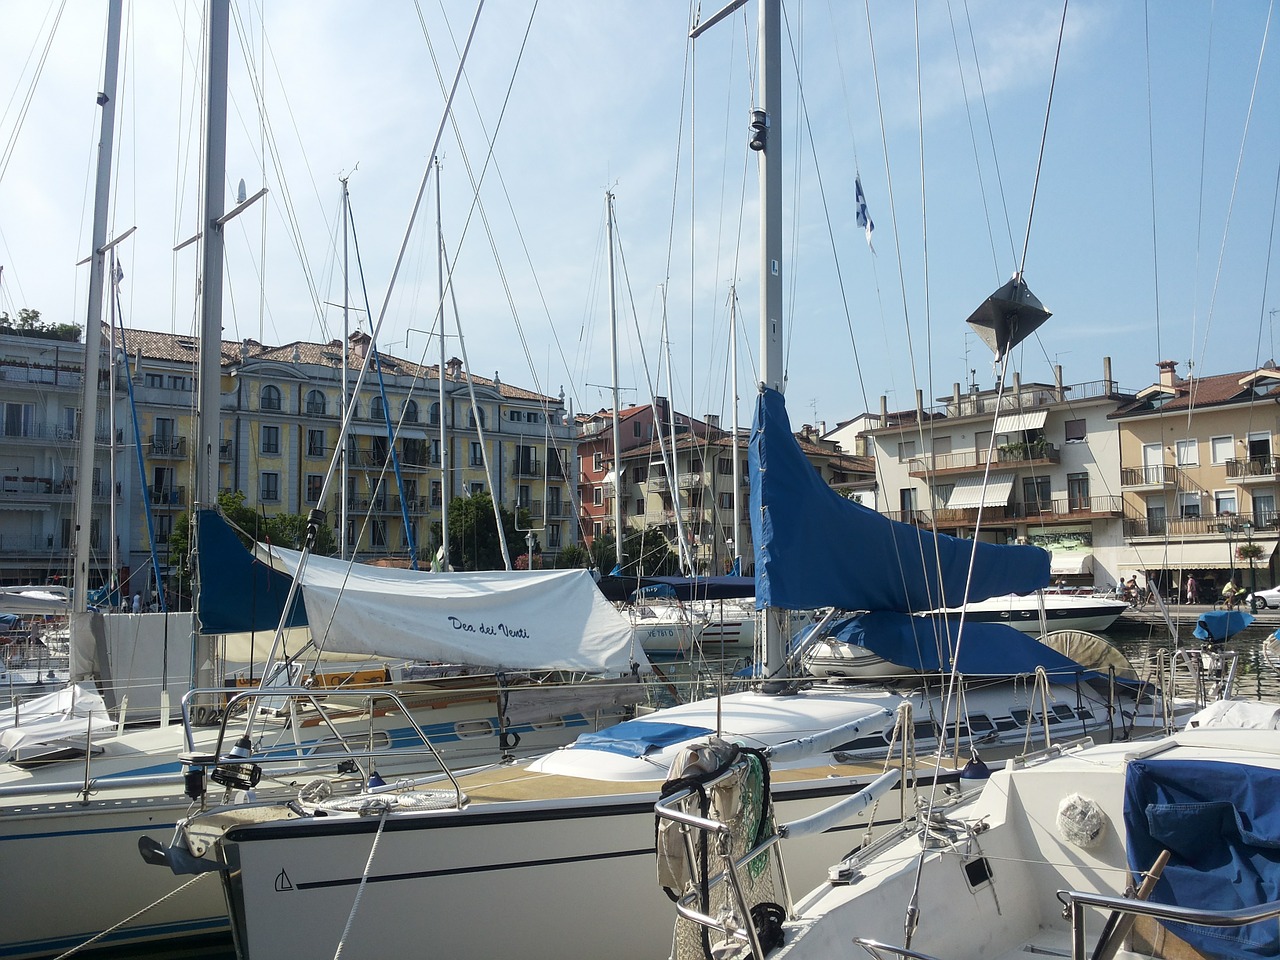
(814, 548)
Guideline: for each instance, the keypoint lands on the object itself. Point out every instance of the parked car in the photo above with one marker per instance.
(1268, 599)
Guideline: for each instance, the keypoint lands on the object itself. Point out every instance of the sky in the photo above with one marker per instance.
(1154, 178)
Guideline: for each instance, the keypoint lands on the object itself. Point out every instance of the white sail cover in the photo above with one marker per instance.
(542, 619)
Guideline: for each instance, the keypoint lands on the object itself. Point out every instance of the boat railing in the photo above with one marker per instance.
(1124, 910)
(881, 950)
(734, 900)
(236, 762)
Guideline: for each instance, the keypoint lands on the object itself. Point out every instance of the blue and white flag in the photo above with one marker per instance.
(864, 218)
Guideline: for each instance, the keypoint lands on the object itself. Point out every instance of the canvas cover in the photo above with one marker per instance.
(931, 644)
(526, 620)
(238, 592)
(815, 548)
(1221, 824)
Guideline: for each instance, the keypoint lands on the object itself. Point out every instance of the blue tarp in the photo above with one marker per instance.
(619, 588)
(238, 592)
(1221, 824)
(929, 644)
(638, 738)
(814, 548)
(1221, 624)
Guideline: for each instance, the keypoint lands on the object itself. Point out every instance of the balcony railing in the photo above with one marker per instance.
(1160, 475)
(167, 496)
(1017, 454)
(164, 445)
(1209, 527)
(1038, 511)
(224, 451)
(526, 468)
(534, 508)
(1253, 467)
(27, 430)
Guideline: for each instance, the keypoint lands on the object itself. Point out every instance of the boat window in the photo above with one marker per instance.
(1019, 715)
(332, 745)
(1063, 712)
(555, 724)
(472, 729)
(980, 724)
(925, 730)
(977, 872)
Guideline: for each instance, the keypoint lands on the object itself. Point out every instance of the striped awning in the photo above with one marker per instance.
(969, 492)
(1065, 562)
(1211, 555)
(1021, 422)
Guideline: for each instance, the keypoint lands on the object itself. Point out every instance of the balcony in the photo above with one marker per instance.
(164, 446)
(658, 483)
(972, 461)
(557, 509)
(1067, 510)
(174, 497)
(27, 430)
(1159, 477)
(527, 468)
(533, 507)
(224, 451)
(1210, 527)
(44, 489)
(1254, 469)
(317, 409)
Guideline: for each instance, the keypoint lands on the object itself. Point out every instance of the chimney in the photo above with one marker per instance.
(713, 421)
(1168, 373)
(1107, 385)
(919, 406)
(955, 395)
(454, 368)
(884, 410)
(1057, 381)
(1017, 387)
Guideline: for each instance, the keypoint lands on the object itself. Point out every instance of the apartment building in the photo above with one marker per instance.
(1032, 463)
(1199, 477)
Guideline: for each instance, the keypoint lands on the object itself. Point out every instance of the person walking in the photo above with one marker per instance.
(1193, 593)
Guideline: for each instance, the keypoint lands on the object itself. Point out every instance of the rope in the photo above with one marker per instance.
(172, 893)
(364, 878)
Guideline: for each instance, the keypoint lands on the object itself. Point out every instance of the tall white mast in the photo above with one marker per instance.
(93, 344)
(346, 339)
(444, 421)
(613, 353)
(737, 461)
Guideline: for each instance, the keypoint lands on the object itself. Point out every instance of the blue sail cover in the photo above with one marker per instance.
(1220, 823)
(1221, 624)
(930, 644)
(238, 592)
(814, 548)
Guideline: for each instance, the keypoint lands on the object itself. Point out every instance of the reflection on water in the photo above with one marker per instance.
(1256, 678)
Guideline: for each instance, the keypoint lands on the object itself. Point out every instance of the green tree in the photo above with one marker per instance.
(473, 537)
(28, 324)
(571, 557)
(645, 553)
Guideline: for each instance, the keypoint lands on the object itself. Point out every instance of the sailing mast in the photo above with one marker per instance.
(346, 340)
(613, 350)
(737, 461)
(444, 422)
(80, 667)
(766, 141)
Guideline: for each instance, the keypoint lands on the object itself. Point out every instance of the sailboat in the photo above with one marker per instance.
(435, 860)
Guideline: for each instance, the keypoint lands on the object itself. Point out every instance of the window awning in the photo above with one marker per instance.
(1070, 562)
(1019, 422)
(969, 492)
(1209, 555)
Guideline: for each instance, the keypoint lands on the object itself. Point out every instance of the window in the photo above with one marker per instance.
(515, 416)
(476, 487)
(1075, 431)
(476, 415)
(724, 465)
(316, 403)
(1156, 523)
(378, 533)
(906, 450)
(411, 411)
(270, 398)
(435, 451)
(1188, 453)
(269, 487)
(19, 419)
(315, 443)
(271, 440)
(434, 417)
(437, 497)
(1224, 501)
(1188, 506)
(942, 493)
(597, 462)
(941, 445)
(553, 501)
(377, 411)
(637, 474)
(477, 454)
(1220, 449)
(153, 380)
(164, 526)
(553, 536)
(907, 500)
(315, 482)
(532, 416)
(639, 508)
(1035, 494)
(595, 529)
(637, 429)
(597, 496)
(695, 465)
(180, 383)
(1077, 491)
